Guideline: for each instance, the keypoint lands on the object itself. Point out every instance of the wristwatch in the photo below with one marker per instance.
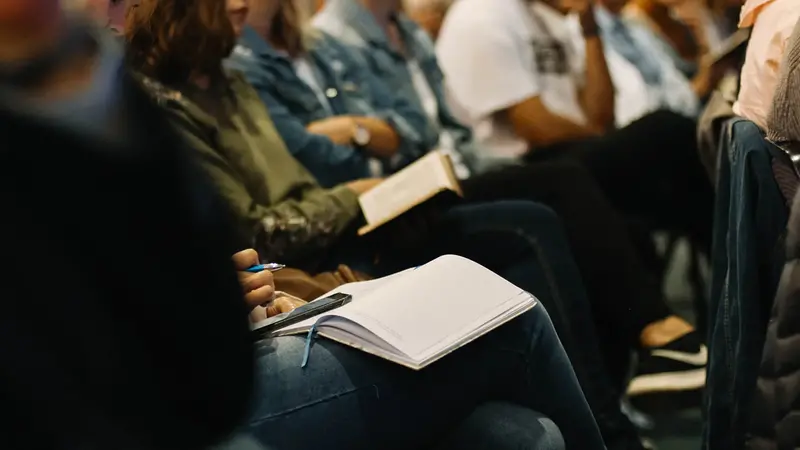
(361, 135)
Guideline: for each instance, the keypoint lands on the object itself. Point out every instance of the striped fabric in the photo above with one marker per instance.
(787, 180)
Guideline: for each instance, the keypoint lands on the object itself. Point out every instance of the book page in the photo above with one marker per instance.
(407, 188)
(435, 306)
(359, 290)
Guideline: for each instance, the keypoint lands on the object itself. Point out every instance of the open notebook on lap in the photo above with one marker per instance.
(417, 316)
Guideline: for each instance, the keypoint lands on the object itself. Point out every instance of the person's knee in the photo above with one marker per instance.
(531, 332)
(507, 223)
(526, 214)
(505, 426)
(670, 121)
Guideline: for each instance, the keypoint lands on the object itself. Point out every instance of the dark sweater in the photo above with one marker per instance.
(123, 324)
(776, 404)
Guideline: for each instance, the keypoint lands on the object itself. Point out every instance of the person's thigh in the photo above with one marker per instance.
(648, 169)
(348, 399)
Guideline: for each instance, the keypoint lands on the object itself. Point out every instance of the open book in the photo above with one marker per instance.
(419, 182)
(419, 315)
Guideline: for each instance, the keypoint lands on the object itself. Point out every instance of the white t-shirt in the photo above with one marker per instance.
(306, 72)
(431, 106)
(497, 53)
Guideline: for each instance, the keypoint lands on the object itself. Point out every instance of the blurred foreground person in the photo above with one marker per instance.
(105, 343)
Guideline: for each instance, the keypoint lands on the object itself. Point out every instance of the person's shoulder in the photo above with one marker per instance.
(164, 96)
(467, 12)
(336, 27)
(479, 17)
(322, 41)
(173, 102)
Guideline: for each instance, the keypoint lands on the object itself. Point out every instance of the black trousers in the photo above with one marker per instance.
(650, 170)
(624, 296)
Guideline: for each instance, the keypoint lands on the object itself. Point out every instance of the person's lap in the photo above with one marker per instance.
(505, 426)
(525, 243)
(624, 295)
(348, 399)
(649, 169)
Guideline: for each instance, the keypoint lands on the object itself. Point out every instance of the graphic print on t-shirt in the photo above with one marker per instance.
(550, 57)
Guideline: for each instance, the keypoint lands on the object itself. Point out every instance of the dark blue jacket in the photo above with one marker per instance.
(350, 90)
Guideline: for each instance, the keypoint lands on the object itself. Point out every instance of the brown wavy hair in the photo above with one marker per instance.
(289, 26)
(170, 40)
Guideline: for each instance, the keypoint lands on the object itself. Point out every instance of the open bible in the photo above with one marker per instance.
(422, 180)
(417, 316)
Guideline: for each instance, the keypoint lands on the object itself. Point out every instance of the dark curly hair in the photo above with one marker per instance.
(169, 40)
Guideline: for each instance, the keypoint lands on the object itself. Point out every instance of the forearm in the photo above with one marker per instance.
(293, 229)
(597, 96)
(563, 130)
(700, 85)
(384, 140)
(554, 130)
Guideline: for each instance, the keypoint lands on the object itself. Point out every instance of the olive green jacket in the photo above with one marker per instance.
(279, 205)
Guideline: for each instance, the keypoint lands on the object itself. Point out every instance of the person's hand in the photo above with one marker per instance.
(339, 129)
(283, 303)
(577, 6)
(693, 14)
(259, 288)
(690, 13)
(363, 185)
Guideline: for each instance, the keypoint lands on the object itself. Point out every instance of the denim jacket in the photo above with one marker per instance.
(293, 104)
(353, 25)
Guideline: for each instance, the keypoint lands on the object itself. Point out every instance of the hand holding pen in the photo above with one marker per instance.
(256, 279)
(272, 267)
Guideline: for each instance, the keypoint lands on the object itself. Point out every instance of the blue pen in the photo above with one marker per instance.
(272, 267)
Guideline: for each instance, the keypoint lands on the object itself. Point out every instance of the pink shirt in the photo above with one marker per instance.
(772, 22)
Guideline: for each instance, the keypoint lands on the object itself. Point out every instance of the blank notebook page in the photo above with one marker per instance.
(423, 310)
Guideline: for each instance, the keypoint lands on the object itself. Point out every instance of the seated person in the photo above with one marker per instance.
(357, 23)
(468, 423)
(633, 303)
(180, 353)
(279, 203)
(774, 399)
(783, 128)
(429, 14)
(645, 76)
(772, 22)
(688, 29)
(237, 144)
(108, 13)
(782, 122)
(542, 102)
(387, 137)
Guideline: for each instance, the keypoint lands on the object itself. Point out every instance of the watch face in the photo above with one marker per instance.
(361, 136)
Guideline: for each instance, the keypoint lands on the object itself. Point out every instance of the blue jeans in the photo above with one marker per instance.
(346, 399)
(525, 243)
(747, 258)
